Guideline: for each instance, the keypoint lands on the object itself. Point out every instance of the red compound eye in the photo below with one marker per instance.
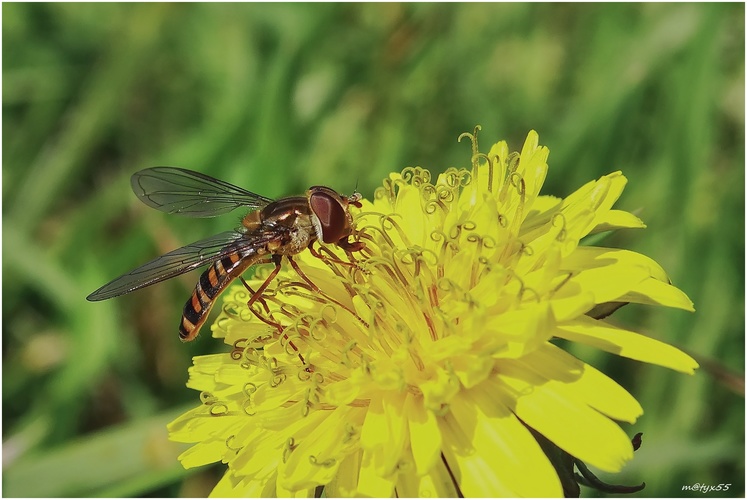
(332, 215)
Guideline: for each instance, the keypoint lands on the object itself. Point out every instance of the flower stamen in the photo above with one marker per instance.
(330, 462)
(290, 445)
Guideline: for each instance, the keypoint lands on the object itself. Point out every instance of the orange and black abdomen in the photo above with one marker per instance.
(212, 282)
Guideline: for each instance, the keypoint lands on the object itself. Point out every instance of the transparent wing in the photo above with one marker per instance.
(177, 262)
(184, 192)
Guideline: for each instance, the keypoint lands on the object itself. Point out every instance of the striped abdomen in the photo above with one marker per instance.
(212, 282)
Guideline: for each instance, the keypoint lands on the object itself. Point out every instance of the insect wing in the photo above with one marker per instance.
(192, 194)
(174, 263)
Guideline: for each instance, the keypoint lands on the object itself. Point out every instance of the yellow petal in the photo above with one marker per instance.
(397, 430)
(598, 257)
(439, 390)
(436, 483)
(374, 431)
(344, 391)
(558, 414)
(606, 337)
(586, 383)
(608, 284)
(318, 455)
(571, 301)
(532, 167)
(505, 459)
(471, 369)
(232, 487)
(370, 483)
(605, 198)
(498, 155)
(654, 292)
(281, 492)
(198, 424)
(425, 438)
(206, 452)
(617, 219)
(522, 330)
(413, 226)
(344, 484)
(623, 276)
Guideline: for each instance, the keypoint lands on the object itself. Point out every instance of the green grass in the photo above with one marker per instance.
(280, 97)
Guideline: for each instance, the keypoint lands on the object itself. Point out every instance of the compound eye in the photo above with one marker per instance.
(331, 215)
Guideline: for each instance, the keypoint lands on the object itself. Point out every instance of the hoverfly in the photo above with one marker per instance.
(271, 230)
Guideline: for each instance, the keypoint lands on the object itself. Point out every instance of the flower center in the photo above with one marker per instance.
(405, 313)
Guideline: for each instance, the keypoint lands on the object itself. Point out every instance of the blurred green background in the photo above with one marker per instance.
(278, 97)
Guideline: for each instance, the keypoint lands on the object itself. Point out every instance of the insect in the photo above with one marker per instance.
(270, 231)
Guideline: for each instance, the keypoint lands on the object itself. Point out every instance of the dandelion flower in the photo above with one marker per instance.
(424, 364)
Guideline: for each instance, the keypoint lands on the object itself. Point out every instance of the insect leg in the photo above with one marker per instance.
(329, 258)
(277, 260)
(257, 296)
(254, 296)
(350, 246)
(320, 291)
(304, 277)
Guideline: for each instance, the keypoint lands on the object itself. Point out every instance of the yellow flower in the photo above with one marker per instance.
(418, 365)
